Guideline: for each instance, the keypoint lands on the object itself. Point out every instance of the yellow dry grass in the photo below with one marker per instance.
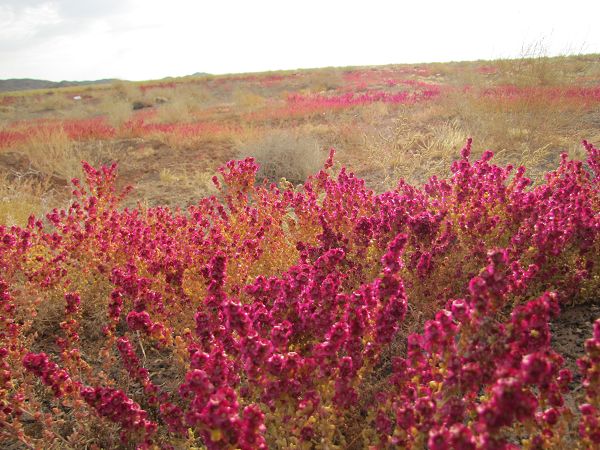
(21, 197)
(178, 105)
(116, 110)
(285, 153)
(52, 152)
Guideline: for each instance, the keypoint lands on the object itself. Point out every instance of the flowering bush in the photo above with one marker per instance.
(324, 316)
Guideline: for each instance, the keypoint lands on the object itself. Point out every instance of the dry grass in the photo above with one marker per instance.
(22, 196)
(406, 150)
(247, 100)
(182, 103)
(197, 181)
(116, 110)
(125, 90)
(191, 140)
(531, 129)
(535, 68)
(50, 102)
(176, 111)
(324, 80)
(53, 153)
(285, 154)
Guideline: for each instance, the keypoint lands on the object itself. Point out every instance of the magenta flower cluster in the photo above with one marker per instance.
(322, 315)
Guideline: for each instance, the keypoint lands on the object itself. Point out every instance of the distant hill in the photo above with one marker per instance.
(21, 84)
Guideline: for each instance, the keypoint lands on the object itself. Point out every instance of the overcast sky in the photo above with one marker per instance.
(148, 39)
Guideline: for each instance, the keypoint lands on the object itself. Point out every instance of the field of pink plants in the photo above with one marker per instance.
(318, 316)
(98, 129)
(285, 99)
(296, 105)
(414, 292)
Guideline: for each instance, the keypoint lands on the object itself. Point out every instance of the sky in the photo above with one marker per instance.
(151, 39)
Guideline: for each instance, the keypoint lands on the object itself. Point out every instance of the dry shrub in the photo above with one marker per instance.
(530, 129)
(197, 180)
(116, 109)
(6, 112)
(324, 80)
(374, 113)
(176, 186)
(443, 142)
(125, 95)
(247, 99)
(285, 154)
(535, 68)
(348, 139)
(195, 93)
(51, 102)
(528, 133)
(250, 132)
(408, 151)
(182, 139)
(98, 152)
(532, 68)
(126, 90)
(20, 197)
(52, 152)
(182, 103)
(175, 111)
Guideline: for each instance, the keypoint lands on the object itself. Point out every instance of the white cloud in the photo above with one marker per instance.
(144, 39)
(20, 25)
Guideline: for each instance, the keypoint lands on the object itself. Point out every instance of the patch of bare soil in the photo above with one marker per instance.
(141, 162)
(569, 333)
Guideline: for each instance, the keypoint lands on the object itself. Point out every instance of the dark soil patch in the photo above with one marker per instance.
(570, 331)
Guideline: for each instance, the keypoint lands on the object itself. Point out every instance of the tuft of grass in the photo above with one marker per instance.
(176, 110)
(285, 154)
(51, 102)
(406, 150)
(20, 197)
(247, 99)
(52, 152)
(183, 186)
(179, 104)
(116, 110)
(323, 80)
(125, 90)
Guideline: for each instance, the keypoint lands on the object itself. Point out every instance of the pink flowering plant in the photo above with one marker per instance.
(320, 316)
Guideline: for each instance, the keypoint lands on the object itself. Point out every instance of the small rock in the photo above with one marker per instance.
(138, 104)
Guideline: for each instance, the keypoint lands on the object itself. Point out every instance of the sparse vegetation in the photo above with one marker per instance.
(285, 154)
(22, 195)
